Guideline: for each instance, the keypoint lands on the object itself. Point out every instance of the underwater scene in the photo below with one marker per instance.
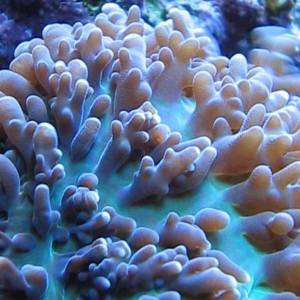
(149, 150)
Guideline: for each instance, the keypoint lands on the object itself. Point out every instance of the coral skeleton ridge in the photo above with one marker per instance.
(137, 162)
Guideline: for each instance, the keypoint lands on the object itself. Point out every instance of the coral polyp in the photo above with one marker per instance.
(137, 162)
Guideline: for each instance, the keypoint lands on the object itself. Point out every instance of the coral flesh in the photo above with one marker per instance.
(137, 162)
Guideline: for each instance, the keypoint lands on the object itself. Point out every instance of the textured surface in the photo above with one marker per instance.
(138, 161)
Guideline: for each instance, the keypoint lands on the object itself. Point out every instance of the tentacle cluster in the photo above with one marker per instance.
(138, 160)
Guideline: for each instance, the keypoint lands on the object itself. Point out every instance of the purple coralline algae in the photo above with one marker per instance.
(137, 162)
(23, 20)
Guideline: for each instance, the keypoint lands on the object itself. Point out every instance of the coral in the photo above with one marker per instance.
(230, 21)
(137, 162)
(22, 20)
(286, 260)
(266, 191)
(182, 231)
(31, 280)
(12, 34)
(276, 49)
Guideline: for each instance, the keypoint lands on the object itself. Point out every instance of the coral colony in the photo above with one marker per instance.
(139, 163)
